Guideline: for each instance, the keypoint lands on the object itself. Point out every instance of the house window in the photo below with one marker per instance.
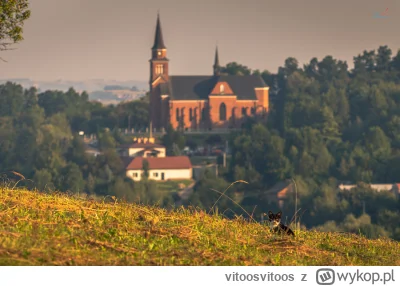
(244, 111)
(253, 110)
(190, 114)
(155, 175)
(222, 112)
(221, 88)
(177, 114)
(135, 175)
(159, 69)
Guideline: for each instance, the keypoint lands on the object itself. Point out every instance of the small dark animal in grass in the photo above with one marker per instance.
(277, 226)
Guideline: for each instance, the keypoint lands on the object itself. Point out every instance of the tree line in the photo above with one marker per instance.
(328, 124)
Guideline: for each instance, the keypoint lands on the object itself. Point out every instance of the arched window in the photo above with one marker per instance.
(183, 113)
(177, 114)
(203, 114)
(244, 111)
(222, 88)
(233, 113)
(222, 112)
(159, 69)
(190, 114)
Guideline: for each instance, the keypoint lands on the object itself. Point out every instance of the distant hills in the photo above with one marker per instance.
(105, 91)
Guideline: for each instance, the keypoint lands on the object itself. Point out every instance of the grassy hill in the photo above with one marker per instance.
(55, 229)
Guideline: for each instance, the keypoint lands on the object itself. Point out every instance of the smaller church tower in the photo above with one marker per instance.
(216, 66)
(158, 61)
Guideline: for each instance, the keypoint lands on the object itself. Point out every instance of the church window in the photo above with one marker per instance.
(221, 88)
(244, 111)
(190, 114)
(159, 69)
(203, 114)
(222, 112)
(177, 114)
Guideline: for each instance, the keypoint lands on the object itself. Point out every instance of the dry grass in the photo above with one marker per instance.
(56, 229)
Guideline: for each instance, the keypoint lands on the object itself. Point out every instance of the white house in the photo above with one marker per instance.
(143, 147)
(161, 168)
(394, 188)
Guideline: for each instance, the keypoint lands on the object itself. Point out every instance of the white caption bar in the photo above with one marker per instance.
(203, 275)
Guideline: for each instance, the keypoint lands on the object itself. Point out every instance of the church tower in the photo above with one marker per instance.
(158, 61)
(216, 66)
(158, 75)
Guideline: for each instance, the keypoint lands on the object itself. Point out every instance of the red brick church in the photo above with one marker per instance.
(201, 102)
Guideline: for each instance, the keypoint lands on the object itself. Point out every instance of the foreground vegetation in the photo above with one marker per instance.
(57, 229)
(327, 125)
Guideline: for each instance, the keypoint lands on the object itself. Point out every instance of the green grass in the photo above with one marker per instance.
(172, 185)
(203, 160)
(56, 229)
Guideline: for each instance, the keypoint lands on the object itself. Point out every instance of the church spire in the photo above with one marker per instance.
(216, 65)
(158, 40)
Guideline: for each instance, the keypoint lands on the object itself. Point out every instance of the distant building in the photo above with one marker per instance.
(279, 193)
(161, 169)
(143, 147)
(201, 102)
(394, 188)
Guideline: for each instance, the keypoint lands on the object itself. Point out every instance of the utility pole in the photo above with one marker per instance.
(295, 211)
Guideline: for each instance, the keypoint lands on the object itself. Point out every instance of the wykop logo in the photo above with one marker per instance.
(325, 276)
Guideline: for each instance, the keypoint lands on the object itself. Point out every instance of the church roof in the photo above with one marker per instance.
(199, 87)
(158, 39)
(216, 59)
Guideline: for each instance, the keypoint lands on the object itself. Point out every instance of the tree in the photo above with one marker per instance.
(13, 13)
(234, 68)
(383, 58)
(146, 168)
(72, 179)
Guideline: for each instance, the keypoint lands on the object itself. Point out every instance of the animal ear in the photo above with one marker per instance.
(279, 214)
(270, 214)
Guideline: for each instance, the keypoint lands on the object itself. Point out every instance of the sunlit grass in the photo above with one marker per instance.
(56, 229)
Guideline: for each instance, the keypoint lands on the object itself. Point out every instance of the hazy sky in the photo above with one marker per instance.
(111, 39)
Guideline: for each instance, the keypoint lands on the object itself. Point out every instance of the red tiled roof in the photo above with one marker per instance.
(174, 162)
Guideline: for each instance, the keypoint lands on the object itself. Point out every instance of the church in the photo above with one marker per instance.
(199, 102)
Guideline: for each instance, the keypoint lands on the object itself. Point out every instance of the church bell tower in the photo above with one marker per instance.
(158, 61)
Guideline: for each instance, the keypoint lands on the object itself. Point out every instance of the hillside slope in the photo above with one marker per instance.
(55, 229)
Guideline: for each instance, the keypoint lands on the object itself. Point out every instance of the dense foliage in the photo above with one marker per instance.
(39, 139)
(13, 14)
(327, 125)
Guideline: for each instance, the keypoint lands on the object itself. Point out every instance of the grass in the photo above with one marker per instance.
(56, 229)
(203, 160)
(172, 185)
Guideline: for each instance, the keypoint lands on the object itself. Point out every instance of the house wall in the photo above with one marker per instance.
(170, 174)
(133, 151)
(135, 175)
(263, 98)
